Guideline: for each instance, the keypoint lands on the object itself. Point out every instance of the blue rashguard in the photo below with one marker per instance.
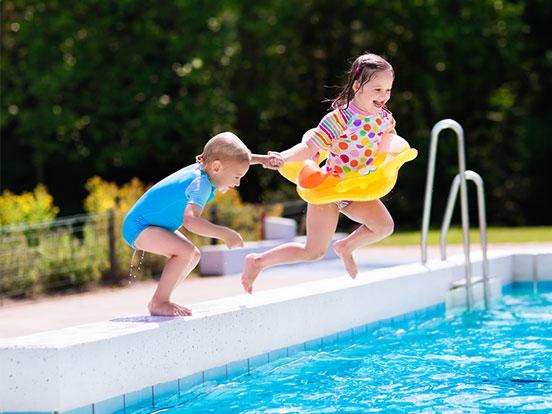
(163, 204)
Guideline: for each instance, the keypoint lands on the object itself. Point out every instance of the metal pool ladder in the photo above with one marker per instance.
(458, 183)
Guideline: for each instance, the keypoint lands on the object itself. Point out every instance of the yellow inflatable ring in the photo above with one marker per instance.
(316, 187)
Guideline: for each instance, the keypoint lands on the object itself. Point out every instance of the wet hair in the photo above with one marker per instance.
(363, 69)
(225, 146)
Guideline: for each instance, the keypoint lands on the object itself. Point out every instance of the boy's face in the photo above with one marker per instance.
(375, 93)
(227, 174)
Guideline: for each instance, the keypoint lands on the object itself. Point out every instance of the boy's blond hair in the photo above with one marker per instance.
(225, 146)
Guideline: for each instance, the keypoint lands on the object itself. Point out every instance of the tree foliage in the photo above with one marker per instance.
(127, 88)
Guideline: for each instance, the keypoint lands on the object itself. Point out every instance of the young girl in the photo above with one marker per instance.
(152, 223)
(357, 129)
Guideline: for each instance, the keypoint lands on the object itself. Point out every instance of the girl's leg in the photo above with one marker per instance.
(321, 225)
(182, 256)
(377, 224)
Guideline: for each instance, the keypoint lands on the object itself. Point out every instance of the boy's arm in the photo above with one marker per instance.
(194, 223)
(272, 161)
(258, 159)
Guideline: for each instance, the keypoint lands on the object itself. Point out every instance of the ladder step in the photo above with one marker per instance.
(462, 283)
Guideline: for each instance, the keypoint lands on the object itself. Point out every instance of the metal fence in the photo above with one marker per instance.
(81, 251)
(56, 255)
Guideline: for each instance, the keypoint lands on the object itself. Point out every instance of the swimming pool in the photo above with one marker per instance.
(143, 363)
(486, 361)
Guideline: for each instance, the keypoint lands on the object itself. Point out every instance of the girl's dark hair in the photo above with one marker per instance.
(363, 69)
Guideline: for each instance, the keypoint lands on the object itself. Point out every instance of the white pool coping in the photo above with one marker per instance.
(74, 367)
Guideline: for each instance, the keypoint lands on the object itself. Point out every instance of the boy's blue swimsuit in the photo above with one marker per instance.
(163, 204)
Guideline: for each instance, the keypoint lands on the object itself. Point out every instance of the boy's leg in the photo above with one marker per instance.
(377, 224)
(321, 225)
(182, 256)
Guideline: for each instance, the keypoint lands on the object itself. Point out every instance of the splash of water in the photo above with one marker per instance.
(131, 273)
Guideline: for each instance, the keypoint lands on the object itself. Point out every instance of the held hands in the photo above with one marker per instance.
(232, 238)
(273, 160)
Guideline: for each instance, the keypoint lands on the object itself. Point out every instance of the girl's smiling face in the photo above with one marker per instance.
(375, 93)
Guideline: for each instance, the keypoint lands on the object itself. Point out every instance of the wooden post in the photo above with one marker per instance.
(113, 265)
(213, 219)
(263, 216)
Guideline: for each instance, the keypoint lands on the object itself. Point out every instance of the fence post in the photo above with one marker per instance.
(263, 217)
(113, 265)
(214, 219)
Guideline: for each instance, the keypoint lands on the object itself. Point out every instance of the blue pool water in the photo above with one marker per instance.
(497, 361)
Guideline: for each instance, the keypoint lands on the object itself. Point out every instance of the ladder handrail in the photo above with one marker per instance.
(478, 181)
(438, 127)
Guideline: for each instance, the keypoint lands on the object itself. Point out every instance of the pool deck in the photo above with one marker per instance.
(105, 366)
(32, 316)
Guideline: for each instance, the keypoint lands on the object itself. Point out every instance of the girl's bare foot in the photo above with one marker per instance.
(251, 269)
(347, 258)
(158, 308)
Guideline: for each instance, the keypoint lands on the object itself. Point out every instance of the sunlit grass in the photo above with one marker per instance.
(494, 235)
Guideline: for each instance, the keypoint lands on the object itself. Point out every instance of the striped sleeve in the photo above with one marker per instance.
(329, 128)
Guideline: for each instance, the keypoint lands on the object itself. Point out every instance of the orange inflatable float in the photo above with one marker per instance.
(316, 186)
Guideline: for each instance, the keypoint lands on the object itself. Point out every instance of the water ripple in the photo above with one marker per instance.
(498, 361)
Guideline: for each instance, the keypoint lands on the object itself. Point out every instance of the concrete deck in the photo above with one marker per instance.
(32, 316)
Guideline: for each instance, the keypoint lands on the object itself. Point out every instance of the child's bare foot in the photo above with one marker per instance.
(251, 269)
(158, 308)
(347, 258)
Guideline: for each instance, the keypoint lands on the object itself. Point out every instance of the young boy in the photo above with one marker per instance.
(152, 223)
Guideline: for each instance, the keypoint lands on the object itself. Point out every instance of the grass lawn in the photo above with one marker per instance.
(494, 235)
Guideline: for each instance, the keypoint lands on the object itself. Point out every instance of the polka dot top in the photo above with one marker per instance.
(352, 138)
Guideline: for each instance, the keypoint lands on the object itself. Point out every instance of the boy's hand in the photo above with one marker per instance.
(232, 238)
(274, 160)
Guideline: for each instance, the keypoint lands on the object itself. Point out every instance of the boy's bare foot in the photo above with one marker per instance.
(251, 269)
(167, 309)
(347, 258)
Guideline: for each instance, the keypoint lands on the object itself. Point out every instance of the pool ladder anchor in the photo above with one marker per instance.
(459, 183)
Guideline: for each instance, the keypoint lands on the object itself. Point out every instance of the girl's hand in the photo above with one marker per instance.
(232, 238)
(275, 160)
